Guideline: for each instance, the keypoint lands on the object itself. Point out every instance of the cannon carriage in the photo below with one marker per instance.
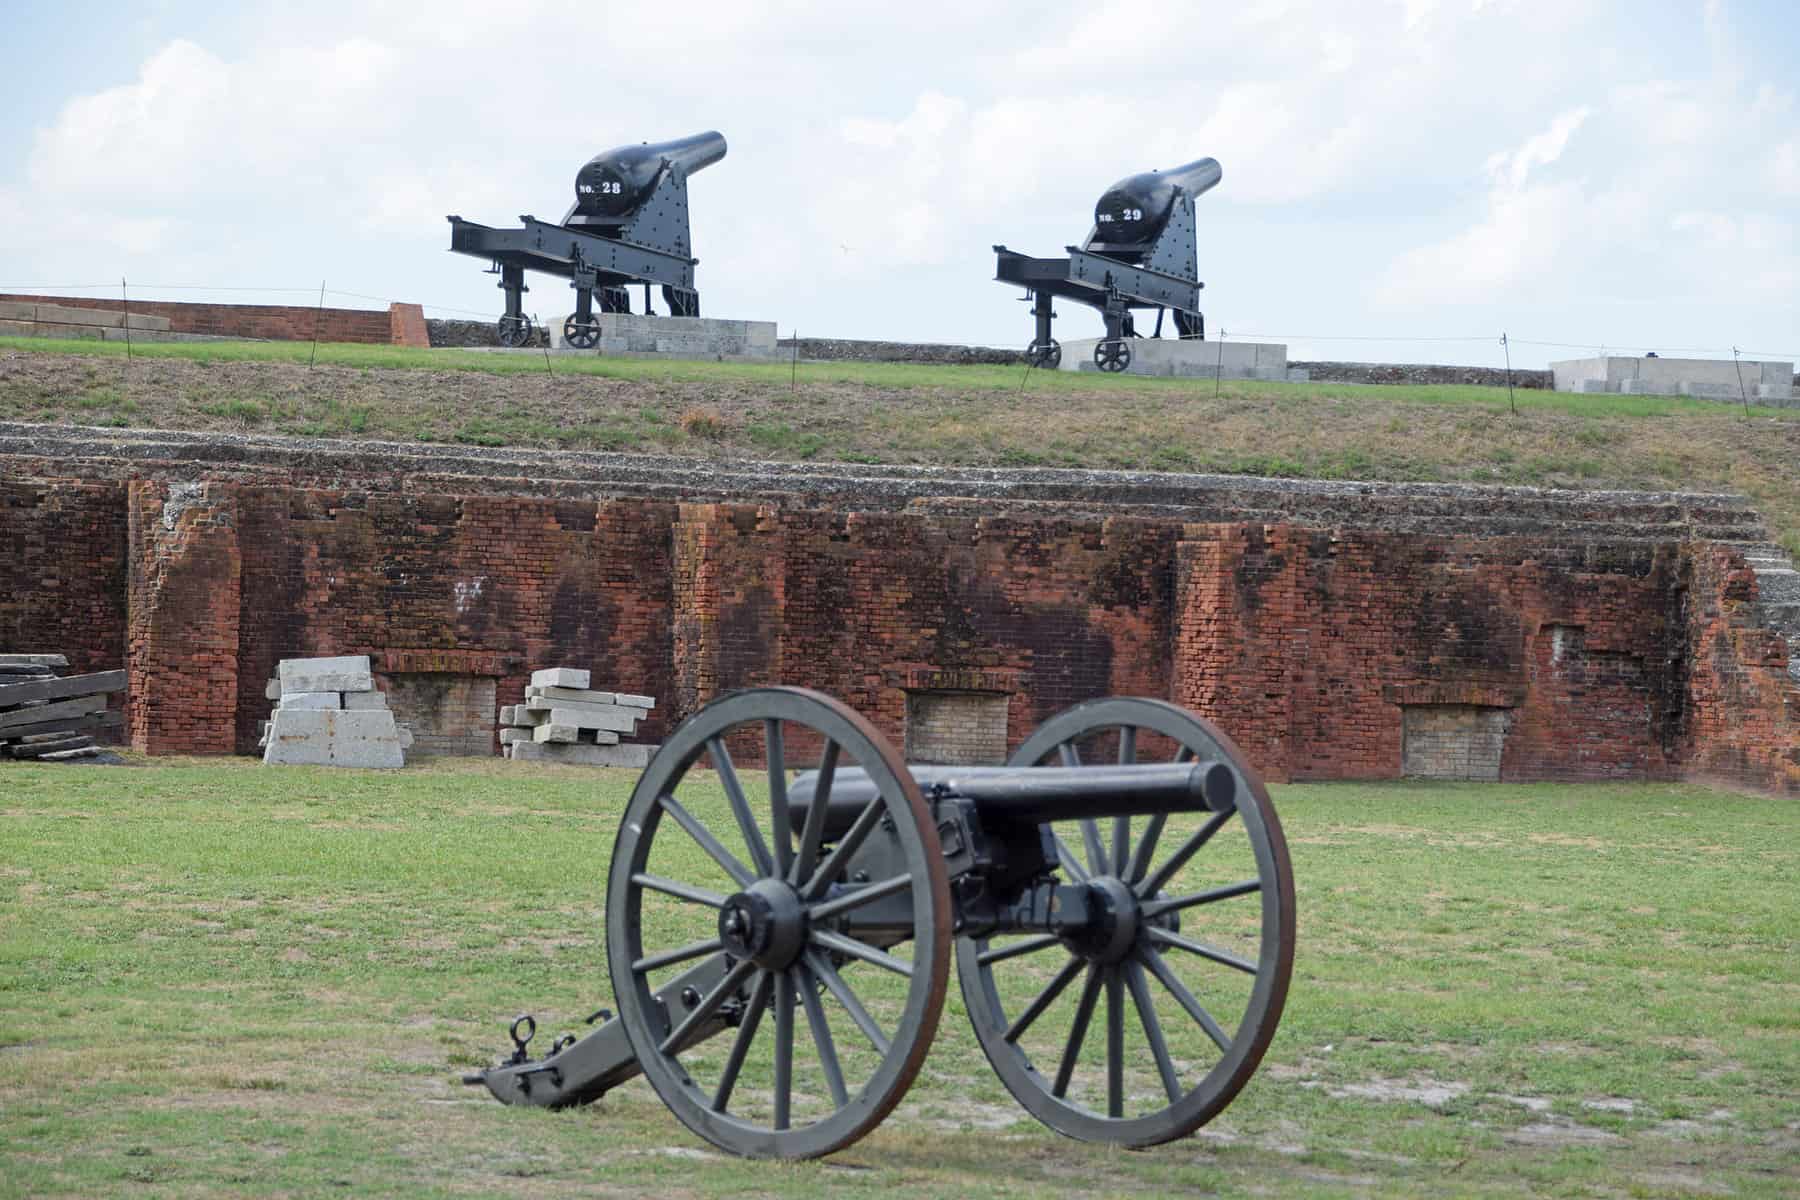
(1117, 899)
(628, 225)
(1140, 254)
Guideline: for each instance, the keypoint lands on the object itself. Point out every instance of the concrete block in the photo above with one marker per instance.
(272, 690)
(329, 737)
(1596, 386)
(17, 689)
(312, 700)
(618, 717)
(630, 701)
(298, 738)
(552, 732)
(363, 701)
(347, 673)
(1299, 375)
(33, 660)
(509, 736)
(564, 677)
(1709, 391)
(406, 736)
(635, 757)
(577, 695)
(1643, 387)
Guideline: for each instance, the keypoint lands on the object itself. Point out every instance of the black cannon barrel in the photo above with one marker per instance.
(615, 183)
(1037, 795)
(1135, 209)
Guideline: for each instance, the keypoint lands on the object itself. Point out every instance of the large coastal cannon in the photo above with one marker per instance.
(629, 224)
(1124, 982)
(1141, 253)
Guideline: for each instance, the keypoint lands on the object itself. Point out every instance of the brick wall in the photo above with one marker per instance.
(1309, 647)
(448, 713)
(62, 571)
(400, 325)
(1743, 707)
(956, 728)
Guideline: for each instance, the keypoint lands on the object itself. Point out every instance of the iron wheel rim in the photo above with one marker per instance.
(1254, 1030)
(911, 1034)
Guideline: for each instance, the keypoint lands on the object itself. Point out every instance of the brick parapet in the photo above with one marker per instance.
(275, 322)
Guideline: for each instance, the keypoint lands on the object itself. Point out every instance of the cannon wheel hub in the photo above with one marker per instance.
(766, 923)
(1110, 938)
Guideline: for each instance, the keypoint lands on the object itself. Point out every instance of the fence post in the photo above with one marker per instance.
(125, 299)
(1509, 388)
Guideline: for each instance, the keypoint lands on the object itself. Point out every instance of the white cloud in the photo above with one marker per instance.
(878, 152)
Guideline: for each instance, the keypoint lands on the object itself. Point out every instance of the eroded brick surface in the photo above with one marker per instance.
(1309, 647)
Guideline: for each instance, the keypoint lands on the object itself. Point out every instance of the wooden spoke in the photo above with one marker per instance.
(680, 891)
(862, 950)
(740, 807)
(700, 833)
(740, 1045)
(865, 894)
(1045, 998)
(814, 832)
(782, 829)
(709, 1004)
(680, 954)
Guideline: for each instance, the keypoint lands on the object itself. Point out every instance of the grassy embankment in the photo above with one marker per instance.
(217, 979)
(900, 413)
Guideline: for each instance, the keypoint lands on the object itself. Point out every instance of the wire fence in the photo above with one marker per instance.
(317, 293)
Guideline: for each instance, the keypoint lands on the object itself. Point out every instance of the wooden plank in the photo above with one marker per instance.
(40, 749)
(18, 718)
(99, 683)
(105, 720)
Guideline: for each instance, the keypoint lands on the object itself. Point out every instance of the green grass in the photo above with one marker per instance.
(900, 376)
(915, 414)
(221, 979)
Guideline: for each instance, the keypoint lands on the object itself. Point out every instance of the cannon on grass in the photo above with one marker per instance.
(629, 224)
(1117, 899)
(1141, 253)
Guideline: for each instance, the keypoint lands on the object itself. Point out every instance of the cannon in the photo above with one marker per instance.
(1140, 254)
(629, 224)
(1117, 899)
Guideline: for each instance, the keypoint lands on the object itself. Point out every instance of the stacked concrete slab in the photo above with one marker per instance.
(1729, 380)
(328, 713)
(677, 337)
(51, 717)
(1188, 358)
(564, 719)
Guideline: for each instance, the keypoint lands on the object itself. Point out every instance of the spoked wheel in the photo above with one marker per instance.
(1112, 354)
(582, 335)
(709, 867)
(1199, 956)
(1047, 355)
(514, 331)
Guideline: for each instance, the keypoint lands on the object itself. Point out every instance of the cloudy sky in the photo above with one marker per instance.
(1619, 173)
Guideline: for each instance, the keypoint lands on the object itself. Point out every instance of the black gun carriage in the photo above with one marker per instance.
(1117, 898)
(1140, 254)
(629, 224)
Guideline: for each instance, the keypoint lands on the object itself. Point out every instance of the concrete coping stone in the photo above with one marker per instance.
(630, 701)
(311, 700)
(33, 660)
(578, 695)
(347, 673)
(563, 677)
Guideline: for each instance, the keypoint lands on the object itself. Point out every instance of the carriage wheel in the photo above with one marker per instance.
(514, 331)
(1047, 355)
(582, 335)
(710, 864)
(1208, 902)
(1112, 354)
